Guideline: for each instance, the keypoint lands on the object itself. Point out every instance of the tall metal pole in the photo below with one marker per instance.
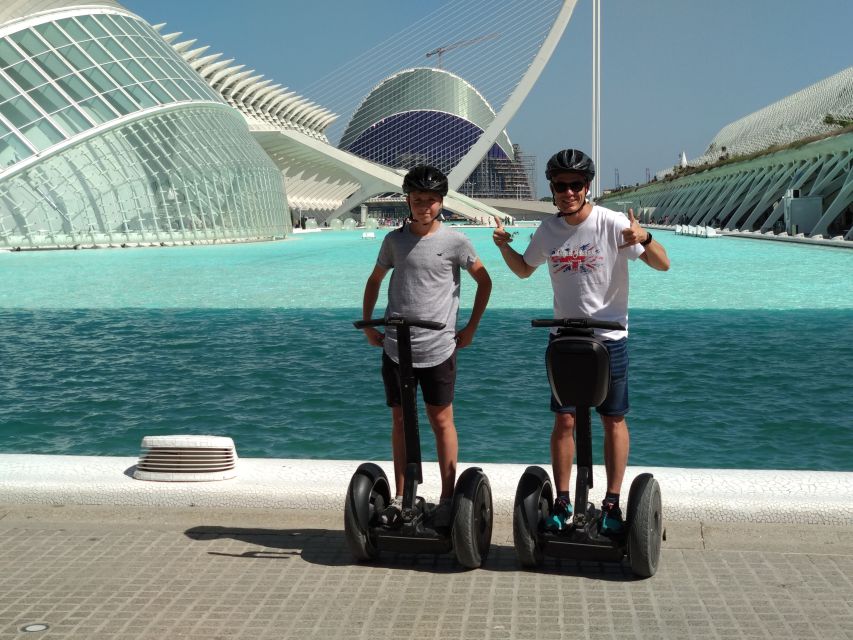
(596, 96)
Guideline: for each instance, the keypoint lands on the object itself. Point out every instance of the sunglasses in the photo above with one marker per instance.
(576, 187)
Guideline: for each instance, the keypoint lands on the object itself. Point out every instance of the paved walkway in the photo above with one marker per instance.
(163, 573)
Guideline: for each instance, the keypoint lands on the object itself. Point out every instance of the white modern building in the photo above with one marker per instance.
(116, 133)
(108, 137)
(785, 169)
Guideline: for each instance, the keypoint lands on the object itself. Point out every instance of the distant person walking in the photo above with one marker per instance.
(592, 283)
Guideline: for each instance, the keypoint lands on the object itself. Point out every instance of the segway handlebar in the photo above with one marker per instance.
(576, 323)
(396, 321)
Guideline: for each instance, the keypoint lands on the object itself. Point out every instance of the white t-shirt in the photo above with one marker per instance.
(589, 272)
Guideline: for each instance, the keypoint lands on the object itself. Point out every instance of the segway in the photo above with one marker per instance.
(369, 492)
(578, 366)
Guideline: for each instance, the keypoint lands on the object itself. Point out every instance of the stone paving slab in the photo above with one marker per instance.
(103, 572)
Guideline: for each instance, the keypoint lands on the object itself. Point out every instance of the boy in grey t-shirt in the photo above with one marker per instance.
(426, 259)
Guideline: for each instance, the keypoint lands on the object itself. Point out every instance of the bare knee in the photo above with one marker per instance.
(614, 424)
(564, 423)
(441, 418)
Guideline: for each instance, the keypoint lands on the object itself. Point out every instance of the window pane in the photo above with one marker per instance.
(115, 49)
(29, 42)
(136, 70)
(96, 51)
(49, 99)
(175, 90)
(131, 46)
(152, 68)
(92, 26)
(19, 112)
(141, 96)
(98, 79)
(53, 35)
(120, 102)
(96, 109)
(25, 76)
(112, 24)
(12, 150)
(42, 134)
(73, 29)
(119, 75)
(158, 92)
(53, 65)
(74, 87)
(76, 58)
(147, 49)
(135, 26)
(71, 120)
(8, 54)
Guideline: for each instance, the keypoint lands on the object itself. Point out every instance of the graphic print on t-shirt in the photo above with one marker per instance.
(585, 258)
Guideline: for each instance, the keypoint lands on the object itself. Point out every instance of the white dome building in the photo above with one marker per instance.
(107, 136)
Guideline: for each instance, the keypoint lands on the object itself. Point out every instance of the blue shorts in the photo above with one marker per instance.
(616, 402)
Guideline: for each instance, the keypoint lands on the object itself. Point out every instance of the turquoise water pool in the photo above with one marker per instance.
(742, 354)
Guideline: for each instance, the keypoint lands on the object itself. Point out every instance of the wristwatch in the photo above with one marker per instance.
(645, 243)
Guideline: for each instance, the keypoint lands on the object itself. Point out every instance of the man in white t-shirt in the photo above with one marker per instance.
(587, 248)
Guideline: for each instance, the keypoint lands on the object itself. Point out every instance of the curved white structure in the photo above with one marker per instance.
(798, 116)
(108, 137)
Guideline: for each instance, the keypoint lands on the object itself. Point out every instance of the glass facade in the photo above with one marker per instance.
(429, 116)
(72, 93)
(185, 175)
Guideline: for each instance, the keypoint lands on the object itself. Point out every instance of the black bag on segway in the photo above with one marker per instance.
(578, 370)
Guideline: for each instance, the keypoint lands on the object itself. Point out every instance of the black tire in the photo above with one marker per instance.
(533, 499)
(645, 525)
(471, 532)
(367, 495)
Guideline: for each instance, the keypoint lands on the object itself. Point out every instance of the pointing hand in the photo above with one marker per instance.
(633, 234)
(501, 236)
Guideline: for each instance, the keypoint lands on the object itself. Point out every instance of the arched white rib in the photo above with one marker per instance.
(478, 151)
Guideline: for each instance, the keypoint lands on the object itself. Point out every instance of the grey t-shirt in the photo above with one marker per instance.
(425, 285)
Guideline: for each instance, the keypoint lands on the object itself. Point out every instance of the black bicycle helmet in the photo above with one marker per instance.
(425, 178)
(570, 160)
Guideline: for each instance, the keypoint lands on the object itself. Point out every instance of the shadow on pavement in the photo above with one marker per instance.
(328, 547)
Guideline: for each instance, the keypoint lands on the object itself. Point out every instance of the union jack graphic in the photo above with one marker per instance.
(583, 259)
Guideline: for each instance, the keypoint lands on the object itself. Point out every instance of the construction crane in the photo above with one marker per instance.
(462, 43)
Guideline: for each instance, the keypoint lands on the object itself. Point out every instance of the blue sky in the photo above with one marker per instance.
(674, 72)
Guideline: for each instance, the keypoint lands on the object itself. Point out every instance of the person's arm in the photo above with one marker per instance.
(655, 256)
(654, 253)
(514, 260)
(371, 295)
(465, 336)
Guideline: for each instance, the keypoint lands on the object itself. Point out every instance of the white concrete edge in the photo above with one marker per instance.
(722, 495)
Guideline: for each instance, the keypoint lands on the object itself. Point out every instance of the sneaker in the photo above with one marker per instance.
(561, 515)
(611, 523)
(392, 515)
(443, 512)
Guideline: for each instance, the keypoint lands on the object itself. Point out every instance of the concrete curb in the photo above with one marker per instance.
(723, 495)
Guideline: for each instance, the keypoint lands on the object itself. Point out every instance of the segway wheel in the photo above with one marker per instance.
(533, 499)
(472, 518)
(367, 495)
(645, 525)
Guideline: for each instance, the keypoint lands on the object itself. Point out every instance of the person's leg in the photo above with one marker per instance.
(398, 448)
(438, 384)
(563, 450)
(446, 444)
(616, 445)
(616, 436)
(390, 377)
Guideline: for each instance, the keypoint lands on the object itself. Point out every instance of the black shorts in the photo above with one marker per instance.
(437, 383)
